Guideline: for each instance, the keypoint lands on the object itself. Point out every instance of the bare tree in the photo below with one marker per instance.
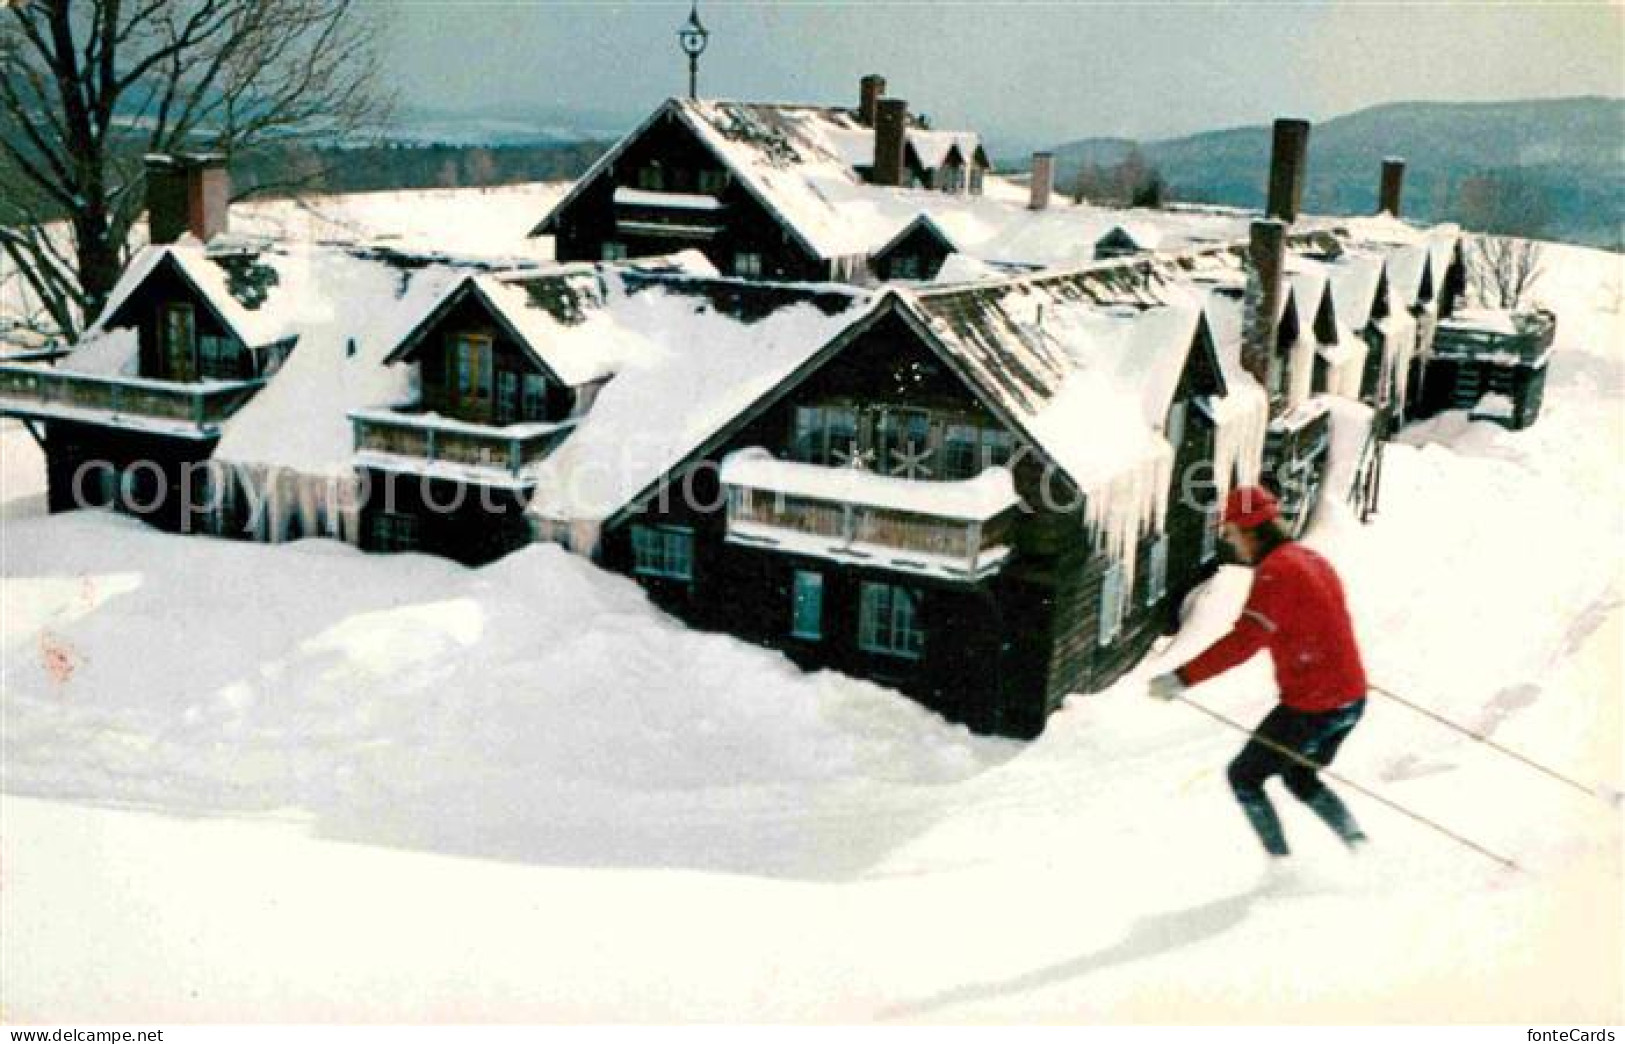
(1504, 270)
(87, 87)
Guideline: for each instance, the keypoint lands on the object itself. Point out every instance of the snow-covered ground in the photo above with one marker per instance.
(247, 782)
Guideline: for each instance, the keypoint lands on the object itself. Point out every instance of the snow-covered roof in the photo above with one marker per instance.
(922, 221)
(1355, 277)
(696, 353)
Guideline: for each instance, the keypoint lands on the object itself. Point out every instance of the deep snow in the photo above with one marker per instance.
(294, 782)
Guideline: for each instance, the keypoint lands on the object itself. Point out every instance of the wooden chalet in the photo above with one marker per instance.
(759, 188)
(505, 366)
(966, 493)
(179, 349)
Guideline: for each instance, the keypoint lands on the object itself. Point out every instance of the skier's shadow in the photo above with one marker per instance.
(1148, 937)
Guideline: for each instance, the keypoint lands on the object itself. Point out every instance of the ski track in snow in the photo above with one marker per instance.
(295, 782)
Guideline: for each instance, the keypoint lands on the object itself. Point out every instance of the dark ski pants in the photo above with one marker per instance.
(1314, 737)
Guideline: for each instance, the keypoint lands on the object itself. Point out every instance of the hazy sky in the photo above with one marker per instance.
(1016, 70)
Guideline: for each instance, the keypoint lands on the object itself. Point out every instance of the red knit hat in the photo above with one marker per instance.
(1250, 506)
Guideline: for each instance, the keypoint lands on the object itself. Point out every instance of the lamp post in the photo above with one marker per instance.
(692, 37)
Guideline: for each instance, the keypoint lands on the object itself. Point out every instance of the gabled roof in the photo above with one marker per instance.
(699, 352)
(921, 223)
(798, 161)
(1357, 277)
(556, 317)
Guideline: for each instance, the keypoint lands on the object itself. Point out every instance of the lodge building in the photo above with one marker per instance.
(948, 448)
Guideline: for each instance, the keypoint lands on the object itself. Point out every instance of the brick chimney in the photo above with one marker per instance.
(1289, 158)
(1043, 180)
(1393, 186)
(1266, 267)
(870, 90)
(891, 130)
(187, 193)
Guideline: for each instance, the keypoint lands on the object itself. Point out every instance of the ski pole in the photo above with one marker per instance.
(1509, 752)
(1356, 787)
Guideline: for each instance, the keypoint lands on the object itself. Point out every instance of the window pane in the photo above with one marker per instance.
(959, 451)
(665, 552)
(842, 426)
(888, 621)
(808, 439)
(807, 605)
(997, 447)
(534, 406)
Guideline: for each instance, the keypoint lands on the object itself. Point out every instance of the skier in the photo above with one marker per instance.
(1297, 611)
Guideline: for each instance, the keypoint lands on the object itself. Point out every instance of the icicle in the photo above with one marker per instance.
(1129, 505)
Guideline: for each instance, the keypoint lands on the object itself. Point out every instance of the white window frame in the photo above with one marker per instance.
(808, 583)
(663, 552)
(889, 621)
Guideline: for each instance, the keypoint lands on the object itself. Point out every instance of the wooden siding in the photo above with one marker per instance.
(743, 226)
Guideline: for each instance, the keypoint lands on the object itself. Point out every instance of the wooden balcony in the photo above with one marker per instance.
(952, 530)
(432, 444)
(1521, 339)
(668, 215)
(187, 409)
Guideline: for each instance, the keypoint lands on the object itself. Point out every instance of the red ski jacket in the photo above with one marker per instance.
(1297, 611)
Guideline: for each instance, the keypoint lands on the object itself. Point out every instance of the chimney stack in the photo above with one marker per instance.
(870, 90)
(1266, 255)
(187, 193)
(1393, 186)
(1043, 180)
(891, 129)
(1289, 157)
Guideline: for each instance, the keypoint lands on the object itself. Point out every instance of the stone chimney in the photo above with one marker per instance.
(870, 90)
(1289, 158)
(891, 130)
(1266, 268)
(187, 193)
(1393, 186)
(1043, 180)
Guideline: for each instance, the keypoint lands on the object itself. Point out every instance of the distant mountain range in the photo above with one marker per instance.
(505, 125)
(1569, 155)
(1570, 151)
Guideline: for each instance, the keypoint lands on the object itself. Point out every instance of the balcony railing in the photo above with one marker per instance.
(430, 439)
(197, 409)
(952, 529)
(1496, 337)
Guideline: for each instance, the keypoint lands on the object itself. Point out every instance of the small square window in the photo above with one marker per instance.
(889, 622)
(613, 251)
(663, 551)
(747, 264)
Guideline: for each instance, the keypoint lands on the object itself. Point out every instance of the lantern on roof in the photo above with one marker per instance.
(692, 37)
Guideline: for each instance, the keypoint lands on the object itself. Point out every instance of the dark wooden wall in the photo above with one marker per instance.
(588, 222)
